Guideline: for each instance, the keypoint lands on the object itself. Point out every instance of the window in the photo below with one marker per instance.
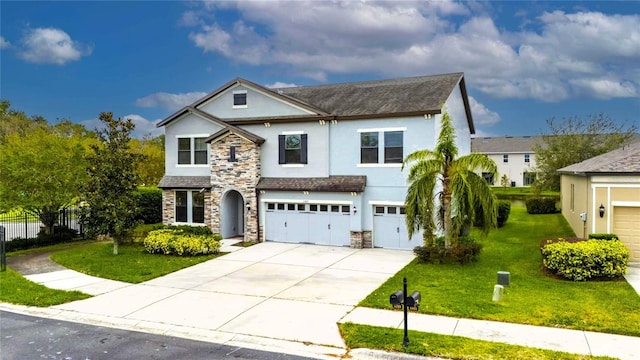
(232, 154)
(526, 158)
(528, 178)
(293, 149)
(192, 150)
(488, 177)
(239, 99)
(505, 158)
(369, 148)
(393, 147)
(189, 207)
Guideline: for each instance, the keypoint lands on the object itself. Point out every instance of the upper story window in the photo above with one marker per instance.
(526, 158)
(239, 99)
(382, 146)
(232, 154)
(192, 151)
(393, 147)
(292, 149)
(369, 148)
(505, 158)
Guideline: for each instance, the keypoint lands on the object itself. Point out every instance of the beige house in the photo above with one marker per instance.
(513, 155)
(602, 195)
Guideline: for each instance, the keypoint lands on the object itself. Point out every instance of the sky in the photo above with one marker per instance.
(524, 61)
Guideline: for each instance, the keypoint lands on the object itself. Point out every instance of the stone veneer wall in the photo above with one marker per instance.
(168, 206)
(242, 176)
(367, 241)
(360, 239)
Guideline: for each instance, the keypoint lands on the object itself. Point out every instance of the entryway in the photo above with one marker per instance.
(232, 214)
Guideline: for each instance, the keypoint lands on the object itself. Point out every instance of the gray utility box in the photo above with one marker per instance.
(504, 278)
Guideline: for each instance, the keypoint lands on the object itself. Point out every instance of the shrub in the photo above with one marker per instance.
(504, 209)
(142, 230)
(149, 205)
(177, 242)
(541, 205)
(191, 230)
(466, 250)
(584, 260)
(603, 236)
(61, 234)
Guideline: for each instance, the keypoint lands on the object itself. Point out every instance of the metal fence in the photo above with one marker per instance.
(27, 226)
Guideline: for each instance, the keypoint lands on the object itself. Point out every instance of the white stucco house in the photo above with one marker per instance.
(513, 155)
(312, 164)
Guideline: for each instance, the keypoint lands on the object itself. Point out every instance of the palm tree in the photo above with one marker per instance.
(438, 174)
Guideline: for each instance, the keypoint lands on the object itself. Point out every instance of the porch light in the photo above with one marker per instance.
(601, 208)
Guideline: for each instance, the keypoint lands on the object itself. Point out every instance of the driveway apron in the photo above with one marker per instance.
(293, 292)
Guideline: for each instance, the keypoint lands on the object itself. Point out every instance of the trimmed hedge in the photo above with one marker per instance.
(149, 205)
(60, 234)
(178, 242)
(504, 209)
(541, 205)
(465, 251)
(603, 236)
(585, 260)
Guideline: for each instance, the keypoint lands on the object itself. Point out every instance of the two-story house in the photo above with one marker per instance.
(513, 155)
(310, 164)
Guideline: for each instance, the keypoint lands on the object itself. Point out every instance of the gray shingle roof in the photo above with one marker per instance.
(504, 144)
(623, 160)
(185, 182)
(405, 95)
(328, 184)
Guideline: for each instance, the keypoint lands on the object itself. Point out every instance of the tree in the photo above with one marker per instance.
(13, 121)
(453, 181)
(504, 180)
(150, 166)
(41, 172)
(112, 181)
(573, 140)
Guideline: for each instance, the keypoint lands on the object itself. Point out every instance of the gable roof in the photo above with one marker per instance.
(625, 160)
(504, 144)
(410, 96)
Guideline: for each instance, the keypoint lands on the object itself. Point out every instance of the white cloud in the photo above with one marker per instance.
(567, 55)
(169, 101)
(481, 114)
(280, 85)
(51, 46)
(4, 43)
(143, 126)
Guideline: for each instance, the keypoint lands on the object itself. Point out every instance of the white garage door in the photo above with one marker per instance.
(323, 224)
(626, 224)
(390, 230)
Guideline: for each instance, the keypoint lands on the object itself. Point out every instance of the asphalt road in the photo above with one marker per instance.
(29, 337)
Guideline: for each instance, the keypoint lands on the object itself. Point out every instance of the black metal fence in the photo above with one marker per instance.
(28, 226)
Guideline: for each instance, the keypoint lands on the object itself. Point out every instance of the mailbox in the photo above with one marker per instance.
(397, 299)
(413, 301)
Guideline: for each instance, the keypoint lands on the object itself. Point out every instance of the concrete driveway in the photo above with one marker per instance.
(291, 292)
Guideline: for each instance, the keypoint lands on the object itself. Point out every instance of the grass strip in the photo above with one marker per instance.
(15, 289)
(449, 347)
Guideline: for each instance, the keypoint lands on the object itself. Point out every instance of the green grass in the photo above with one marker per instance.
(54, 247)
(133, 264)
(16, 289)
(533, 298)
(449, 347)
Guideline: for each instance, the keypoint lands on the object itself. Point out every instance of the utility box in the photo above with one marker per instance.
(504, 278)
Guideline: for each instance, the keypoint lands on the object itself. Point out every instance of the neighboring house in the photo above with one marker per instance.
(513, 155)
(314, 164)
(602, 195)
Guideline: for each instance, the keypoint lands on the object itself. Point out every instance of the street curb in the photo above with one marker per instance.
(369, 354)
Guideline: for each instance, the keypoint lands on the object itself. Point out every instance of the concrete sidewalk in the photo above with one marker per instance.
(288, 298)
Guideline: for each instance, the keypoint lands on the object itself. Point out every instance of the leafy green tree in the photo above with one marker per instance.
(41, 172)
(573, 140)
(13, 121)
(454, 182)
(504, 180)
(112, 181)
(150, 166)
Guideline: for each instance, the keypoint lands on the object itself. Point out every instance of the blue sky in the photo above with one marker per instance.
(524, 62)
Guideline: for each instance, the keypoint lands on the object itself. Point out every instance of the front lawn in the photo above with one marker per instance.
(448, 347)
(16, 289)
(133, 264)
(466, 290)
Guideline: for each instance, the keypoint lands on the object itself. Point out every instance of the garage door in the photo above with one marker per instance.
(626, 224)
(390, 230)
(323, 224)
